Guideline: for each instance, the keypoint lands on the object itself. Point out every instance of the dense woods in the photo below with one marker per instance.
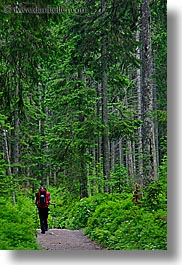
(84, 104)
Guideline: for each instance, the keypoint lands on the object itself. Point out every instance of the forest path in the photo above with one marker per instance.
(64, 239)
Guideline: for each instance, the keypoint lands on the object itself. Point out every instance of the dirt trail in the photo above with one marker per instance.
(63, 239)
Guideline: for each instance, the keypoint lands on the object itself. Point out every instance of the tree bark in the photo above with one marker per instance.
(105, 138)
(98, 150)
(16, 126)
(6, 151)
(120, 152)
(139, 102)
(82, 151)
(149, 148)
(155, 107)
(112, 148)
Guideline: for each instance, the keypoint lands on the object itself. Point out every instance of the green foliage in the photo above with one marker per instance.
(119, 179)
(123, 225)
(116, 222)
(155, 196)
(64, 202)
(17, 228)
(51, 87)
(122, 122)
(83, 210)
(127, 227)
(156, 192)
(51, 110)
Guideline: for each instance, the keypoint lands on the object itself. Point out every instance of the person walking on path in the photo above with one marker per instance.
(42, 202)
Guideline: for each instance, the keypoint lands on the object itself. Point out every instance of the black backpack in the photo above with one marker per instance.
(42, 198)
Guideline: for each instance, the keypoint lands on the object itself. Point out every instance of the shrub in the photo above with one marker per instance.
(79, 215)
(115, 222)
(132, 228)
(17, 227)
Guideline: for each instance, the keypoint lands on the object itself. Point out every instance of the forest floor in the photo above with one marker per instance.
(64, 239)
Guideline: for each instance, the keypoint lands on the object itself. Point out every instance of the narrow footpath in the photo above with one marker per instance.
(64, 239)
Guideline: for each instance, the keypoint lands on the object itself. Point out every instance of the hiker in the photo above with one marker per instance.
(137, 194)
(42, 202)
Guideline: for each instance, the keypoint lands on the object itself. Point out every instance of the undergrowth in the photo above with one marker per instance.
(114, 221)
(17, 224)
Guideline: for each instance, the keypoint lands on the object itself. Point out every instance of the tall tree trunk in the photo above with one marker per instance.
(112, 148)
(149, 149)
(120, 152)
(134, 160)
(6, 151)
(55, 177)
(139, 102)
(7, 155)
(16, 123)
(155, 107)
(82, 151)
(130, 162)
(105, 138)
(98, 150)
(83, 177)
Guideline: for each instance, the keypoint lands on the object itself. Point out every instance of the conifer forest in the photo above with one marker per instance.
(83, 112)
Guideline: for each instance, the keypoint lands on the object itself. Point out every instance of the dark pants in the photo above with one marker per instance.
(43, 216)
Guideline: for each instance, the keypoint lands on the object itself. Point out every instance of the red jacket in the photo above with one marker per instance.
(43, 199)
